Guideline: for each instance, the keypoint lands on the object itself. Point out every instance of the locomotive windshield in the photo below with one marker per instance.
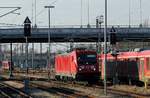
(87, 59)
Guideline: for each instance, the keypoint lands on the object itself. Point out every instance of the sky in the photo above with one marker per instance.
(68, 12)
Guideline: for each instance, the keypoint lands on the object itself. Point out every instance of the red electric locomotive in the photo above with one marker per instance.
(6, 65)
(134, 66)
(78, 65)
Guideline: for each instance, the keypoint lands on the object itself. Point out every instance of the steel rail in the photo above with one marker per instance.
(21, 93)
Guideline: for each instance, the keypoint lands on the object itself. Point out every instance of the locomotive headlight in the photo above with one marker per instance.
(80, 69)
(94, 69)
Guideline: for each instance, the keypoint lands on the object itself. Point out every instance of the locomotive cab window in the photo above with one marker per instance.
(87, 59)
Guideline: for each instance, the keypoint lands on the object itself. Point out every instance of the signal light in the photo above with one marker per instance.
(113, 38)
(27, 30)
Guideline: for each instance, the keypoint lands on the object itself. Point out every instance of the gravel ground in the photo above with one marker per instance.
(136, 89)
(95, 92)
(36, 93)
(98, 93)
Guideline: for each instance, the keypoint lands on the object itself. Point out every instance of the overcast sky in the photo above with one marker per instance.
(68, 12)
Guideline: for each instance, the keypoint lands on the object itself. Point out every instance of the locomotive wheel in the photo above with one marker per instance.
(57, 77)
(70, 78)
(139, 83)
(64, 78)
(130, 82)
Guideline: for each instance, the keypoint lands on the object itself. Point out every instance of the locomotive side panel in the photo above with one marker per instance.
(65, 65)
(73, 64)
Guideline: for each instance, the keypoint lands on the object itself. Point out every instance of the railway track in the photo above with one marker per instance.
(58, 91)
(122, 93)
(127, 93)
(114, 91)
(7, 91)
(73, 94)
(62, 91)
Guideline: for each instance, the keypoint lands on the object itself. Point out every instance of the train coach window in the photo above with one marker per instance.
(148, 63)
(142, 62)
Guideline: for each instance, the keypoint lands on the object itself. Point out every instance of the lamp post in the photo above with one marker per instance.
(105, 50)
(129, 13)
(140, 13)
(49, 7)
(88, 5)
(11, 63)
(100, 20)
(81, 13)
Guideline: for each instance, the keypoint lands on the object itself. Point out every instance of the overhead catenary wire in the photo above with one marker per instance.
(12, 11)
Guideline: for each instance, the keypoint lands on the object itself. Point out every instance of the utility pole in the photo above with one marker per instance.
(49, 7)
(35, 16)
(33, 55)
(141, 13)
(99, 20)
(129, 13)
(22, 53)
(11, 62)
(41, 54)
(105, 50)
(88, 4)
(81, 13)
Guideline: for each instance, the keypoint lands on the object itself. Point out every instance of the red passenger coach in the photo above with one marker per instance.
(78, 65)
(122, 65)
(134, 66)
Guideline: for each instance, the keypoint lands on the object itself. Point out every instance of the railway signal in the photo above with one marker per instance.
(27, 33)
(27, 27)
(113, 36)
